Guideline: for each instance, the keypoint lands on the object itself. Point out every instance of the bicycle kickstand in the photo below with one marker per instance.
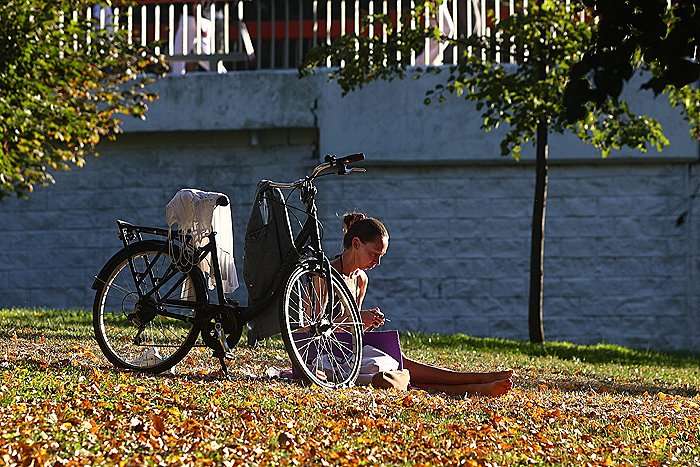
(224, 350)
(224, 369)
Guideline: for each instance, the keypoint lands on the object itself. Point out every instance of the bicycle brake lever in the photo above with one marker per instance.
(345, 170)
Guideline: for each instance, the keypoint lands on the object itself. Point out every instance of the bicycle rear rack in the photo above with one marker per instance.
(130, 233)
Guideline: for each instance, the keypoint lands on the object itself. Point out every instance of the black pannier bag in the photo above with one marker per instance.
(269, 255)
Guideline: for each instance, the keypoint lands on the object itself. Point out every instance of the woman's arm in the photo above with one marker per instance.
(362, 281)
(372, 318)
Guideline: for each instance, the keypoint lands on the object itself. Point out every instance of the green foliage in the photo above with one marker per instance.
(366, 57)
(62, 84)
(687, 99)
(657, 36)
(548, 37)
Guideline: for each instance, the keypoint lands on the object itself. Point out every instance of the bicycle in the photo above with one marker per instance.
(152, 303)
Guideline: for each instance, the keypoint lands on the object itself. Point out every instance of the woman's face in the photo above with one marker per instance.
(369, 254)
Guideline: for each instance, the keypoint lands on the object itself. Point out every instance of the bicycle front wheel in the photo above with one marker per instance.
(145, 305)
(325, 345)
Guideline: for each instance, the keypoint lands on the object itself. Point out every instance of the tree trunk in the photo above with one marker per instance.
(539, 206)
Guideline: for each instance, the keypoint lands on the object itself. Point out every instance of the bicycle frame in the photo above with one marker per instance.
(309, 235)
(162, 288)
(129, 233)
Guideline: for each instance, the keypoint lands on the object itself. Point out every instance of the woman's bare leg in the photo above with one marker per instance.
(428, 374)
(494, 388)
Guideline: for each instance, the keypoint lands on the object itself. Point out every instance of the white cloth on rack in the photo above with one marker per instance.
(196, 213)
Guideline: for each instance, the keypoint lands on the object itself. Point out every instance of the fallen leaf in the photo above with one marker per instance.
(157, 422)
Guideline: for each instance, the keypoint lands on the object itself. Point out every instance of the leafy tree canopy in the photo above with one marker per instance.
(537, 73)
(550, 36)
(640, 34)
(62, 82)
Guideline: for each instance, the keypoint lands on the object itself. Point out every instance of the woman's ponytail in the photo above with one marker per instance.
(349, 218)
(367, 229)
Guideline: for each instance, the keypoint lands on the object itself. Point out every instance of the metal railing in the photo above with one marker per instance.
(224, 35)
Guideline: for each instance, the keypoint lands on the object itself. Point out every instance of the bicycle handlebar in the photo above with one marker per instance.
(351, 158)
(331, 162)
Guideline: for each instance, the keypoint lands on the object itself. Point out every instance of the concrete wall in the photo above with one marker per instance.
(618, 267)
(60, 237)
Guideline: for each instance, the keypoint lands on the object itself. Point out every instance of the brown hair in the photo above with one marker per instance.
(367, 229)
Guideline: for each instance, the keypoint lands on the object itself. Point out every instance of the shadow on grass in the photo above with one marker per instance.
(565, 385)
(33, 334)
(611, 387)
(63, 365)
(598, 353)
(570, 383)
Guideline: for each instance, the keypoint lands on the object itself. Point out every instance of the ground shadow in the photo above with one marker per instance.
(215, 375)
(631, 389)
(598, 353)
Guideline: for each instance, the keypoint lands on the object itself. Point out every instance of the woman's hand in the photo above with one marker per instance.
(372, 318)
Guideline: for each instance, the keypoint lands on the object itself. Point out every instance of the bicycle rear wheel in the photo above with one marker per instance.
(326, 348)
(145, 306)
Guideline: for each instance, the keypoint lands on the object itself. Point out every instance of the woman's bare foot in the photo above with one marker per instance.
(493, 389)
(499, 375)
(480, 378)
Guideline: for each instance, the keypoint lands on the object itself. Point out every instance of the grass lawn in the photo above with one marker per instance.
(573, 405)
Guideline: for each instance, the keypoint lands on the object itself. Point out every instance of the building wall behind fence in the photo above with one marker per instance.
(619, 266)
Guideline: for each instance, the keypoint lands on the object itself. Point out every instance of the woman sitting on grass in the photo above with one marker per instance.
(365, 241)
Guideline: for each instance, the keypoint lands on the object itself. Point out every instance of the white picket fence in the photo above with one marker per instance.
(221, 35)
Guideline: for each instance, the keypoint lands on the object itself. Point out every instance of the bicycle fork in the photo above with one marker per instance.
(308, 193)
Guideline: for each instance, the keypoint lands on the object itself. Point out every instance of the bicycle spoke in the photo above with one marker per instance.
(328, 356)
(341, 345)
(306, 302)
(349, 325)
(127, 291)
(161, 335)
(302, 309)
(320, 302)
(327, 359)
(334, 360)
(305, 356)
(317, 360)
(303, 333)
(346, 356)
(306, 346)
